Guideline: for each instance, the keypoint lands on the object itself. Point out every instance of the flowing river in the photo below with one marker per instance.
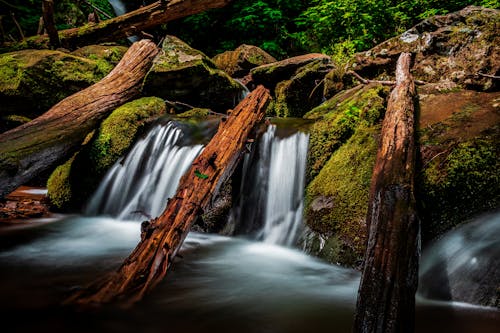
(218, 283)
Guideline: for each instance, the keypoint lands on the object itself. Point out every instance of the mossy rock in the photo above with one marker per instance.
(195, 113)
(337, 198)
(456, 48)
(337, 120)
(460, 159)
(457, 173)
(239, 62)
(183, 74)
(32, 81)
(106, 56)
(303, 91)
(271, 74)
(112, 140)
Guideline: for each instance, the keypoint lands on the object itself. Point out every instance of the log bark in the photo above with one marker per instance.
(163, 236)
(386, 297)
(48, 21)
(39, 145)
(129, 24)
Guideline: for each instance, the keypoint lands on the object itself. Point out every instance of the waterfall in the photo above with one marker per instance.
(138, 185)
(118, 7)
(272, 190)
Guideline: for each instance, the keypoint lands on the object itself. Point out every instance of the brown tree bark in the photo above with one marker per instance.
(163, 236)
(48, 21)
(35, 147)
(386, 296)
(126, 25)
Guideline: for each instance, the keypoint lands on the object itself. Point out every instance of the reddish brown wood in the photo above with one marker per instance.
(386, 297)
(149, 262)
(34, 147)
(129, 24)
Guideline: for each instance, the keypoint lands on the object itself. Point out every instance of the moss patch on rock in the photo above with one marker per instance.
(337, 120)
(111, 141)
(59, 190)
(239, 62)
(337, 198)
(183, 74)
(32, 81)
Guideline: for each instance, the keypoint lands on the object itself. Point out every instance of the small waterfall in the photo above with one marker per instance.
(138, 185)
(272, 189)
(118, 7)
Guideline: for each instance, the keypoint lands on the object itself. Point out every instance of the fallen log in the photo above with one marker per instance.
(126, 25)
(32, 148)
(161, 237)
(386, 296)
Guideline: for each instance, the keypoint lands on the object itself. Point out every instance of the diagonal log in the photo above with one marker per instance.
(129, 24)
(163, 236)
(35, 147)
(386, 296)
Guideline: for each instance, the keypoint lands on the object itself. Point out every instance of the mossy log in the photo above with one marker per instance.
(126, 25)
(162, 237)
(42, 143)
(386, 296)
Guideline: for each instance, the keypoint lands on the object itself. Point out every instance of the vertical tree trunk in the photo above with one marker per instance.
(163, 236)
(48, 20)
(386, 297)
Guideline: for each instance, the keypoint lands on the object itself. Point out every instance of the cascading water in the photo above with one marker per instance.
(137, 186)
(272, 188)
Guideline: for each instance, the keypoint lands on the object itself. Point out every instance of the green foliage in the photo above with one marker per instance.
(364, 23)
(268, 24)
(200, 175)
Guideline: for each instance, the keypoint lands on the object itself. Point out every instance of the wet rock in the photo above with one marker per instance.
(239, 62)
(183, 74)
(24, 204)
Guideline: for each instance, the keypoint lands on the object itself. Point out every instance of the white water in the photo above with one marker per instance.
(137, 187)
(118, 7)
(272, 192)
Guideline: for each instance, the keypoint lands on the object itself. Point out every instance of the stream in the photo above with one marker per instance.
(255, 282)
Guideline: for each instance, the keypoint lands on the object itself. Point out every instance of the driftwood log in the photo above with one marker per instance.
(163, 236)
(32, 148)
(126, 25)
(386, 297)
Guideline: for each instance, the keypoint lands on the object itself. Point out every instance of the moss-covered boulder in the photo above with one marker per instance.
(239, 62)
(342, 149)
(457, 48)
(72, 183)
(337, 120)
(183, 74)
(460, 158)
(105, 55)
(32, 81)
(457, 171)
(271, 74)
(303, 91)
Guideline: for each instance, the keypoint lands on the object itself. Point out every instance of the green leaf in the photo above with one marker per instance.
(200, 175)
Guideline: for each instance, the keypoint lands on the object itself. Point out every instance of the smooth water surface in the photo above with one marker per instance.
(218, 284)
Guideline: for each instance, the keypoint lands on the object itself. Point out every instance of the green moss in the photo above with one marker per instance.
(337, 198)
(118, 131)
(338, 119)
(32, 81)
(196, 112)
(459, 183)
(10, 73)
(58, 186)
